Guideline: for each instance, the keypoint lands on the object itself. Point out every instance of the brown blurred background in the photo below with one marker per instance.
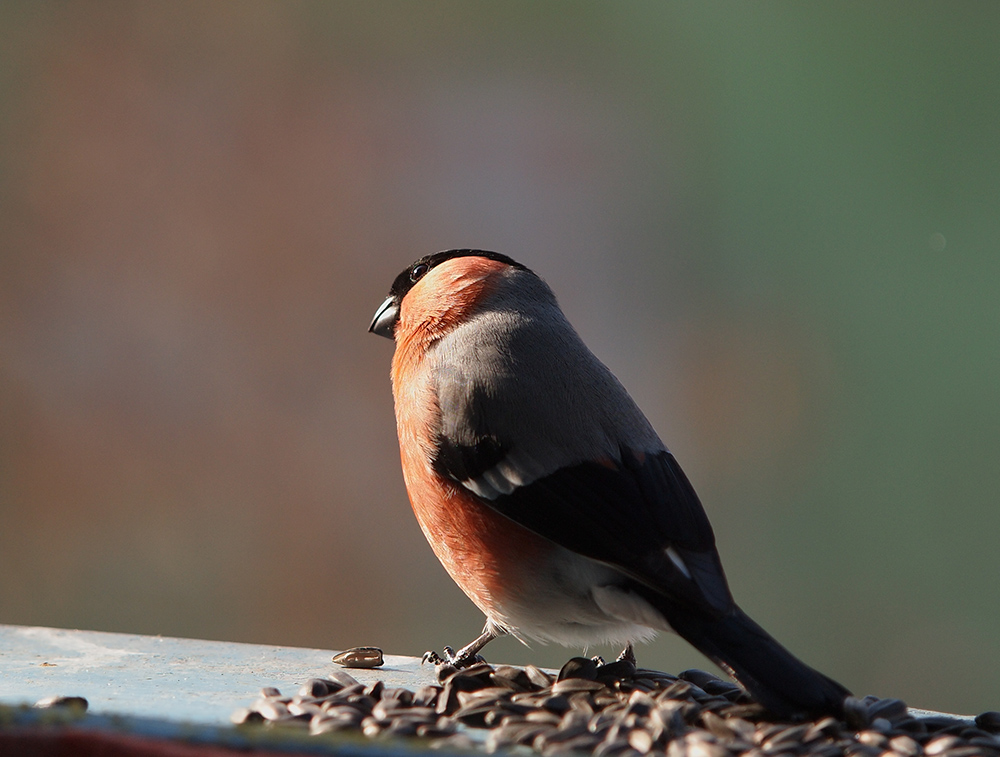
(777, 223)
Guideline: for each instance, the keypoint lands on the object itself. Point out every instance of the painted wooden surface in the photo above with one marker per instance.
(153, 695)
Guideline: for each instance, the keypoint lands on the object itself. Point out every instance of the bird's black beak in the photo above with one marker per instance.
(384, 322)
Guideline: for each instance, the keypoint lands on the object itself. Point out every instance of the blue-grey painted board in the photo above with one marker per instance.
(185, 680)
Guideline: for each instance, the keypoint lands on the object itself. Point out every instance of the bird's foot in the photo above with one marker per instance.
(464, 658)
(597, 660)
(467, 655)
(627, 655)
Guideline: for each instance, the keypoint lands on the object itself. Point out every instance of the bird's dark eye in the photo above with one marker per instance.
(418, 271)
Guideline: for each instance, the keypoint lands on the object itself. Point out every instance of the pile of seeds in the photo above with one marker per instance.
(611, 709)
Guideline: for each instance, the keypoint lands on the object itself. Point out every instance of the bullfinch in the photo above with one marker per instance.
(545, 492)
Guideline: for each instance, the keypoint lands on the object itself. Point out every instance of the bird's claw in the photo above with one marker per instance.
(432, 657)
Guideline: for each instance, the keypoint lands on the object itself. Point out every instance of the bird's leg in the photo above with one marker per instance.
(467, 655)
(628, 654)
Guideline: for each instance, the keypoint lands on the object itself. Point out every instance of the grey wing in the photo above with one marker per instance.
(536, 427)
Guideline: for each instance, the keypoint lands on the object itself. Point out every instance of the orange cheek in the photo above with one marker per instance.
(446, 296)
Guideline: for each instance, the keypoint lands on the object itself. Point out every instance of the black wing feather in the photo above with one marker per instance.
(624, 515)
(462, 462)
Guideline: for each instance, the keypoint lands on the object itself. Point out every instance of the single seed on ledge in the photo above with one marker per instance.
(68, 703)
(360, 657)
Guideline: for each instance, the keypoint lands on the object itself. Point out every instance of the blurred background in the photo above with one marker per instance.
(777, 223)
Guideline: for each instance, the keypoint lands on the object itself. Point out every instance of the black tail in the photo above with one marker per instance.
(774, 676)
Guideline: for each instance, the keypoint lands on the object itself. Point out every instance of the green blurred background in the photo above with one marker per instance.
(778, 223)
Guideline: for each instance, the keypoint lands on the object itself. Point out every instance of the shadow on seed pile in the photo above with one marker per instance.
(611, 709)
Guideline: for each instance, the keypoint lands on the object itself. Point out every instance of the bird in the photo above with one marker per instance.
(545, 492)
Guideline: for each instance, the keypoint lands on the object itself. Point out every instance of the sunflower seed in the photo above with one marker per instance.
(890, 709)
(78, 704)
(941, 744)
(989, 721)
(905, 746)
(578, 667)
(342, 678)
(360, 657)
(317, 687)
(571, 685)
